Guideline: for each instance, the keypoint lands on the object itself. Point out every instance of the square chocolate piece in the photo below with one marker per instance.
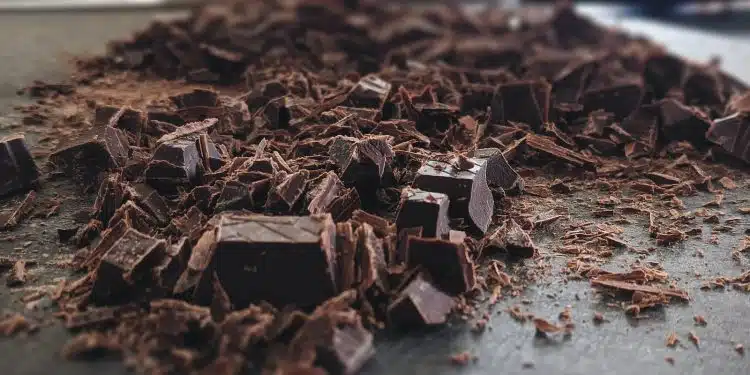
(175, 163)
(93, 152)
(16, 165)
(283, 260)
(446, 261)
(424, 209)
(466, 187)
(419, 305)
(130, 259)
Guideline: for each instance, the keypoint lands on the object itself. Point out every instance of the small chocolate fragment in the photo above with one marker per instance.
(447, 261)
(287, 192)
(423, 209)
(683, 123)
(663, 72)
(346, 251)
(620, 100)
(643, 124)
(21, 212)
(370, 92)
(110, 197)
(198, 265)
(91, 153)
(362, 161)
(732, 133)
(419, 305)
(135, 217)
(150, 200)
(210, 155)
(281, 259)
(17, 167)
(499, 173)
(322, 196)
(17, 275)
(196, 98)
(234, 196)
(124, 265)
(347, 351)
(467, 189)
(189, 130)
(124, 118)
(549, 147)
(175, 163)
(662, 178)
(511, 238)
(525, 101)
(173, 265)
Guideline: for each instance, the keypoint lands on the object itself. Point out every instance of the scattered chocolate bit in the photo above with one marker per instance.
(467, 189)
(672, 340)
(700, 320)
(98, 150)
(420, 304)
(549, 147)
(15, 324)
(423, 209)
(682, 123)
(598, 318)
(669, 360)
(462, 359)
(694, 338)
(731, 134)
(511, 238)
(727, 183)
(252, 259)
(16, 165)
(90, 345)
(447, 261)
(21, 212)
(17, 275)
(739, 348)
(633, 287)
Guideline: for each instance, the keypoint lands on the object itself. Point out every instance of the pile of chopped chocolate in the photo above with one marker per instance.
(333, 168)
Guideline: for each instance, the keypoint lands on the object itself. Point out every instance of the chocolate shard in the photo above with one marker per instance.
(447, 261)
(526, 101)
(420, 304)
(370, 92)
(682, 123)
(346, 251)
(198, 265)
(135, 217)
(732, 133)
(423, 209)
(16, 165)
(110, 197)
(371, 268)
(234, 196)
(466, 187)
(175, 163)
(210, 156)
(511, 238)
(20, 212)
(124, 118)
(663, 72)
(174, 263)
(343, 207)
(620, 100)
(499, 173)
(93, 152)
(150, 200)
(703, 87)
(196, 98)
(125, 266)
(549, 147)
(287, 191)
(322, 196)
(643, 125)
(254, 256)
(347, 350)
(189, 129)
(362, 161)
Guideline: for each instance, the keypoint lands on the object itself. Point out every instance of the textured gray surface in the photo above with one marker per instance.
(37, 46)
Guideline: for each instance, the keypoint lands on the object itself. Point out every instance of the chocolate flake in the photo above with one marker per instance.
(16, 165)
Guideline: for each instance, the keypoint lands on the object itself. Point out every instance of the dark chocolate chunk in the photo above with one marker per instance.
(346, 251)
(347, 351)
(150, 200)
(362, 161)
(175, 262)
(620, 100)
(732, 133)
(447, 261)
(196, 98)
(467, 189)
(683, 123)
(234, 196)
(124, 118)
(499, 172)
(419, 305)
(343, 207)
(110, 197)
(125, 265)
(663, 72)
(17, 275)
(423, 209)
(135, 217)
(93, 152)
(511, 238)
(549, 147)
(175, 163)
(210, 155)
(370, 260)
(188, 130)
(283, 260)
(643, 125)
(16, 165)
(324, 194)
(703, 87)
(287, 191)
(370, 92)
(526, 102)
(20, 212)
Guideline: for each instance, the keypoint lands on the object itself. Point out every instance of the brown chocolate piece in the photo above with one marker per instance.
(322, 196)
(682, 123)
(210, 156)
(168, 271)
(198, 265)
(16, 165)
(362, 162)
(21, 212)
(253, 255)
(499, 173)
(447, 261)
(150, 200)
(346, 252)
(17, 275)
(420, 305)
(347, 351)
(663, 178)
(288, 191)
(525, 101)
(110, 197)
(467, 189)
(189, 129)
(175, 163)
(370, 92)
(93, 152)
(135, 217)
(633, 287)
(423, 209)
(663, 72)
(511, 238)
(732, 133)
(620, 100)
(549, 147)
(125, 265)
(234, 196)
(643, 124)
(124, 118)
